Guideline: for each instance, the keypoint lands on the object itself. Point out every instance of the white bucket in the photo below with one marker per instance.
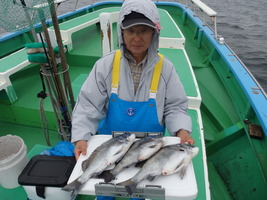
(13, 159)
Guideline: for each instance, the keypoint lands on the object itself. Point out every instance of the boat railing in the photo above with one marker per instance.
(205, 10)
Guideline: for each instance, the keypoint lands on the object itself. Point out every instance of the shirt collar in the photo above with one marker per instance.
(132, 60)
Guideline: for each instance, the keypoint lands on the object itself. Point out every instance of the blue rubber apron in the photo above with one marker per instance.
(126, 116)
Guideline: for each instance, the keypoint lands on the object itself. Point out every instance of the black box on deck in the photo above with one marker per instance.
(47, 171)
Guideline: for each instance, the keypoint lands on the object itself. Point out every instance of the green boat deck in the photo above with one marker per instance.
(81, 59)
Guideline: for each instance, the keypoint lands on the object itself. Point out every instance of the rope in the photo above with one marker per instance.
(44, 122)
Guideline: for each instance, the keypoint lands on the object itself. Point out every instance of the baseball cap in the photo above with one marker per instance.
(135, 18)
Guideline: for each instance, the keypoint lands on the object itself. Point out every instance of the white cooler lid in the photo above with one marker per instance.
(175, 188)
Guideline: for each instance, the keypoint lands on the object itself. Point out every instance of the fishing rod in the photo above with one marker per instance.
(66, 76)
(59, 94)
(52, 88)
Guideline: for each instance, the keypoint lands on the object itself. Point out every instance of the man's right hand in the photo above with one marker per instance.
(80, 148)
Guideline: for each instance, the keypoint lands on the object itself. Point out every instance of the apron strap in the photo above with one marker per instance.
(156, 78)
(116, 72)
(154, 81)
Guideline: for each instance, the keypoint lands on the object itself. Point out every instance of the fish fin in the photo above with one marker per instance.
(84, 165)
(107, 176)
(131, 188)
(152, 146)
(184, 166)
(182, 171)
(74, 186)
(129, 185)
(151, 178)
(140, 164)
(118, 160)
(117, 150)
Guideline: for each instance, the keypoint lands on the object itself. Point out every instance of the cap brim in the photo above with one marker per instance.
(137, 21)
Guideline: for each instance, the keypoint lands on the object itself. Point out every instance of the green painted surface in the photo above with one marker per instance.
(178, 58)
(77, 83)
(11, 194)
(84, 40)
(13, 60)
(239, 170)
(85, 18)
(198, 161)
(217, 185)
(169, 29)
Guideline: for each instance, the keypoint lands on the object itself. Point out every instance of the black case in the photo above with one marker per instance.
(42, 171)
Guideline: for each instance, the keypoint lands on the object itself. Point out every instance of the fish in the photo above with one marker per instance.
(168, 160)
(102, 157)
(141, 150)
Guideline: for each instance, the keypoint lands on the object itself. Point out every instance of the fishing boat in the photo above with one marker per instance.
(227, 105)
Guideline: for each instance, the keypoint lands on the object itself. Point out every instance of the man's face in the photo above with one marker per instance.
(138, 39)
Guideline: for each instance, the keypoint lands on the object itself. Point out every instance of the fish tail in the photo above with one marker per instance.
(107, 176)
(129, 185)
(74, 186)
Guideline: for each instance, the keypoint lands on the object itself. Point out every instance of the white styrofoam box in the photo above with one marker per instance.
(175, 187)
(51, 193)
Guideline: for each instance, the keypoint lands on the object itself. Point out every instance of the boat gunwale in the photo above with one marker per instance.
(247, 81)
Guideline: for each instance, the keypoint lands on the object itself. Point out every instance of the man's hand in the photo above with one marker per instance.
(80, 148)
(185, 136)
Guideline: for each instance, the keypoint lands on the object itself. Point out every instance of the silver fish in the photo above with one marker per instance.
(103, 156)
(141, 150)
(169, 160)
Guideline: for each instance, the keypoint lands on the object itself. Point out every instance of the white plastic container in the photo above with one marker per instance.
(13, 159)
(174, 187)
(51, 193)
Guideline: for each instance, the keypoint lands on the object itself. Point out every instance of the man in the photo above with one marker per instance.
(134, 89)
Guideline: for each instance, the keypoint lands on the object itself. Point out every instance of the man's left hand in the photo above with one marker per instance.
(185, 136)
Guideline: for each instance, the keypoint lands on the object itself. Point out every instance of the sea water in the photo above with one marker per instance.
(243, 24)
